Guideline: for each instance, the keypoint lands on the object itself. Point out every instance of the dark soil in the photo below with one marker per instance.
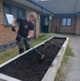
(29, 68)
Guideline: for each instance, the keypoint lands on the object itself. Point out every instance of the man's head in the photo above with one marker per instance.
(32, 17)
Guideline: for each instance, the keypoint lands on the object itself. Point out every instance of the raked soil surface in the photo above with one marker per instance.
(30, 67)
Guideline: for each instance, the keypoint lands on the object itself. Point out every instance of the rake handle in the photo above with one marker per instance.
(30, 44)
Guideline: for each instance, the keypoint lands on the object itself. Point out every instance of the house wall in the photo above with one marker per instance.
(54, 27)
(57, 27)
(6, 35)
(78, 26)
(70, 29)
(1, 14)
(37, 27)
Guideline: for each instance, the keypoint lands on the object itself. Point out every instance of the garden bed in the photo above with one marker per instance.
(27, 67)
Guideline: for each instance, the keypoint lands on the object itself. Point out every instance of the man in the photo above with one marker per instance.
(26, 30)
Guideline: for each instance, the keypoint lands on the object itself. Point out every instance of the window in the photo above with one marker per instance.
(9, 18)
(66, 22)
(13, 10)
(46, 21)
(69, 22)
(20, 13)
(6, 11)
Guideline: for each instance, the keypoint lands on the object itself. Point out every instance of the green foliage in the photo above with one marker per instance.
(68, 53)
(8, 54)
(41, 35)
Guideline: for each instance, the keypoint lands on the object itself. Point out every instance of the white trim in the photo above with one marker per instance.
(51, 73)
(5, 63)
(7, 78)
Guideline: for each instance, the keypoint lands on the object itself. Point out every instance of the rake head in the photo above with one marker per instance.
(42, 57)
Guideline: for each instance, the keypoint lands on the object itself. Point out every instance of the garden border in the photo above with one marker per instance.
(51, 72)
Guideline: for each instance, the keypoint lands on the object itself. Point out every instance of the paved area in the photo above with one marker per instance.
(71, 70)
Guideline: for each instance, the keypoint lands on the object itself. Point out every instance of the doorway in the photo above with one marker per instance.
(44, 24)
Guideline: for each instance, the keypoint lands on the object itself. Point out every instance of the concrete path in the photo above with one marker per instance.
(71, 70)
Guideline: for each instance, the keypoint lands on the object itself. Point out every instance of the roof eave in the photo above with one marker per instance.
(34, 6)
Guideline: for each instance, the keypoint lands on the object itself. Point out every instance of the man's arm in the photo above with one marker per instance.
(31, 34)
(14, 22)
(13, 25)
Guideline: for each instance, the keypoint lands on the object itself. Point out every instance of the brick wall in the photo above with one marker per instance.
(6, 35)
(78, 26)
(1, 14)
(70, 29)
(37, 26)
(54, 27)
(57, 27)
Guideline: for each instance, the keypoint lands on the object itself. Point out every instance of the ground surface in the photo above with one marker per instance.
(71, 70)
(29, 68)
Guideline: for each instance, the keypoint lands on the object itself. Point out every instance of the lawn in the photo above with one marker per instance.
(8, 54)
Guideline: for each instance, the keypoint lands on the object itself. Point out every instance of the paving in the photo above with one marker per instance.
(71, 70)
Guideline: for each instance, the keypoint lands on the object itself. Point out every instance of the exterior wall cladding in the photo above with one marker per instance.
(56, 26)
(6, 35)
(73, 29)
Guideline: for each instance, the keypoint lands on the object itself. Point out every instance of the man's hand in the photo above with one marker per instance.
(18, 39)
(26, 39)
(13, 29)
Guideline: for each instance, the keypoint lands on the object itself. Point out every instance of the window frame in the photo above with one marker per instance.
(66, 25)
(5, 5)
(10, 8)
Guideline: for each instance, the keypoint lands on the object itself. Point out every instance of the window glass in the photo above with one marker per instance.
(21, 13)
(46, 21)
(15, 11)
(9, 18)
(64, 22)
(6, 11)
(68, 21)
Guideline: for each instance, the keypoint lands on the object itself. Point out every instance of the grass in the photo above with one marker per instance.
(38, 40)
(8, 54)
(68, 53)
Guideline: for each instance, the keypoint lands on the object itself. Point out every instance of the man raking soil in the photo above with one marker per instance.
(25, 32)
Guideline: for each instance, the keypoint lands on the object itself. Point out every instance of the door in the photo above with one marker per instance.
(44, 24)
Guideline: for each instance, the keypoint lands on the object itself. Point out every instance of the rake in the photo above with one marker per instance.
(42, 55)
